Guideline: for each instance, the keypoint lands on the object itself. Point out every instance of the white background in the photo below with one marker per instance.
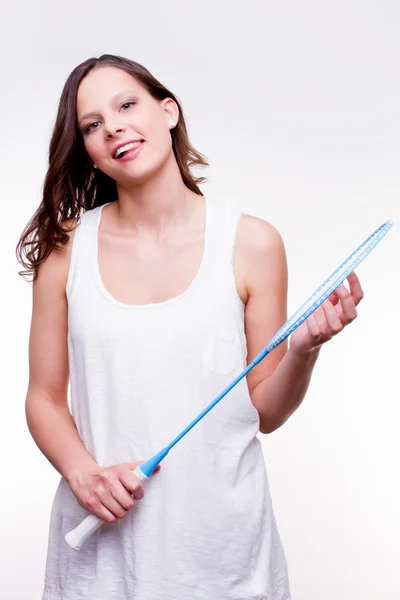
(296, 106)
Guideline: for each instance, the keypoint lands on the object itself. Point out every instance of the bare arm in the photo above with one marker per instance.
(105, 491)
(279, 383)
(277, 397)
(48, 415)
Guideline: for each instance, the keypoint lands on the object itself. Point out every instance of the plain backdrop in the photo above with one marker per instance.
(296, 107)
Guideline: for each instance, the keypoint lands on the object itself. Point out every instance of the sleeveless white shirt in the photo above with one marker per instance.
(205, 529)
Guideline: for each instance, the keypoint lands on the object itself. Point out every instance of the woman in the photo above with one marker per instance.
(149, 299)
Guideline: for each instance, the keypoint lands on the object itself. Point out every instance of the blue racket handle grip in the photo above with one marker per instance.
(77, 537)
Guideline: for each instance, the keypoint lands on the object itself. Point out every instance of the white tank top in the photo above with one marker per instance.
(205, 529)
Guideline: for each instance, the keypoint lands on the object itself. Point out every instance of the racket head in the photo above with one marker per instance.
(329, 286)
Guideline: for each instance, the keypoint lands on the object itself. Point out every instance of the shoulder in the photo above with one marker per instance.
(260, 257)
(54, 269)
(68, 226)
(257, 236)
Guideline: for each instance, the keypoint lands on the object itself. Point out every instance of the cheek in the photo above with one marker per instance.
(91, 149)
(158, 148)
(163, 141)
(158, 134)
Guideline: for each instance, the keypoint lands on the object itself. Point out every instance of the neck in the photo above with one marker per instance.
(157, 205)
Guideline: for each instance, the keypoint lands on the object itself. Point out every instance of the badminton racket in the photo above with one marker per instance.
(91, 523)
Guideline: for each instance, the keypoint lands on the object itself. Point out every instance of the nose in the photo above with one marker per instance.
(112, 130)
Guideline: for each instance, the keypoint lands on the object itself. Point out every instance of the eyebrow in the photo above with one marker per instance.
(93, 114)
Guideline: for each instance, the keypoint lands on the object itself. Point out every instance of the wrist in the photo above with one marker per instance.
(305, 355)
(76, 473)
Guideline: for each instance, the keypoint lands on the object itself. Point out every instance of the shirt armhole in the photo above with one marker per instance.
(73, 260)
(236, 217)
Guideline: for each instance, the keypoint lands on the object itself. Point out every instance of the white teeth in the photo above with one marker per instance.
(126, 147)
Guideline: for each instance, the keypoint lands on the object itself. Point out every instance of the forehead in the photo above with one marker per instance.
(101, 85)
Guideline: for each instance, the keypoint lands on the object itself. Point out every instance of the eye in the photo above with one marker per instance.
(88, 128)
(126, 103)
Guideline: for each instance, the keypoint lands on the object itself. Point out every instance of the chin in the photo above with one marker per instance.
(138, 176)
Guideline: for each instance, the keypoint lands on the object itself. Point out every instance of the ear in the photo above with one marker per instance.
(171, 111)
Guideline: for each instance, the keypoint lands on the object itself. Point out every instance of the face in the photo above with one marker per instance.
(114, 109)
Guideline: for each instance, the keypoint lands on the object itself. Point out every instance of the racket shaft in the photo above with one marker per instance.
(77, 537)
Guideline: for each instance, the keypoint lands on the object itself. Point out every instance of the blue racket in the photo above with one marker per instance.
(77, 536)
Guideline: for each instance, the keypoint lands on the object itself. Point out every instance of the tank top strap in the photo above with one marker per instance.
(223, 223)
(222, 226)
(83, 248)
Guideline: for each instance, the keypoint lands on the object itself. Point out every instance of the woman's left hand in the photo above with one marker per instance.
(329, 319)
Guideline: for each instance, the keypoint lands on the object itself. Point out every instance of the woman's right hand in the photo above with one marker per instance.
(108, 492)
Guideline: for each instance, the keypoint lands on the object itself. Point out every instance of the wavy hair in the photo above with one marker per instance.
(71, 184)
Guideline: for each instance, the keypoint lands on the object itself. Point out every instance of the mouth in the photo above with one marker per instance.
(128, 150)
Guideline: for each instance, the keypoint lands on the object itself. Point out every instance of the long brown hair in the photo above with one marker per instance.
(71, 184)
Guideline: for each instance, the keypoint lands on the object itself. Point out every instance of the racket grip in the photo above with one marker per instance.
(77, 537)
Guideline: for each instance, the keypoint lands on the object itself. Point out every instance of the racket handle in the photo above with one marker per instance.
(77, 537)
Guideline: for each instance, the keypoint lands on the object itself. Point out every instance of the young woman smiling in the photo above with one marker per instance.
(148, 299)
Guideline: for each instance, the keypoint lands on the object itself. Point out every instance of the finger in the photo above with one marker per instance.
(321, 321)
(113, 504)
(334, 323)
(333, 298)
(108, 481)
(355, 288)
(132, 484)
(123, 497)
(97, 508)
(346, 311)
(313, 329)
(132, 466)
(105, 514)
